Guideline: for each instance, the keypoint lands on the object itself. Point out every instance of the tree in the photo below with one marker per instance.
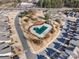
(50, 3)
(0, 3)
(18, 1)
(72, 3)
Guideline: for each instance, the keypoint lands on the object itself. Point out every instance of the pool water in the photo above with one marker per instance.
(40, 30)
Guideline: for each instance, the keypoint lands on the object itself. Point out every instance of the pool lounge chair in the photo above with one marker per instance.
(63, 57)
(61, 40)
(57, 45)
(66, 29)
(55, 56)
(50, 51)
(70, 48)
(41, 57)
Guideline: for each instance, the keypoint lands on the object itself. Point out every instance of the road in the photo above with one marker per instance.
(23, 39)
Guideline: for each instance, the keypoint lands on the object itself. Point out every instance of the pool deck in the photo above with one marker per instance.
(38, 49)
(45, 41)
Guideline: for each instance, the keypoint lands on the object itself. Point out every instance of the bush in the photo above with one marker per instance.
(22, 14)
(75, 10)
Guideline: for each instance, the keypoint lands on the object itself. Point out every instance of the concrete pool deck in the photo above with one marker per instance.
(45, 41)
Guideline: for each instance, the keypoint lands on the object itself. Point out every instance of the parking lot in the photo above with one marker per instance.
(4, 36)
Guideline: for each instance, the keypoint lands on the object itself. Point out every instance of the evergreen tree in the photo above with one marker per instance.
(72, 3)
(50, 3)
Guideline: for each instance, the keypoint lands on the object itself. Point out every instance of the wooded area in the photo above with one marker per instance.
(58, 3)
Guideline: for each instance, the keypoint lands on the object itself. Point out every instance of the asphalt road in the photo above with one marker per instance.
(23, 39)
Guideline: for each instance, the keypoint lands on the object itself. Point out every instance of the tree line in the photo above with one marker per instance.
(58, 3)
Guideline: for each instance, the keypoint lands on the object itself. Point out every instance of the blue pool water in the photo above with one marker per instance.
(40, 30)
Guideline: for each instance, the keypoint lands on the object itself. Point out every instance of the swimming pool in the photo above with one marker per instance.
(40, 30)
